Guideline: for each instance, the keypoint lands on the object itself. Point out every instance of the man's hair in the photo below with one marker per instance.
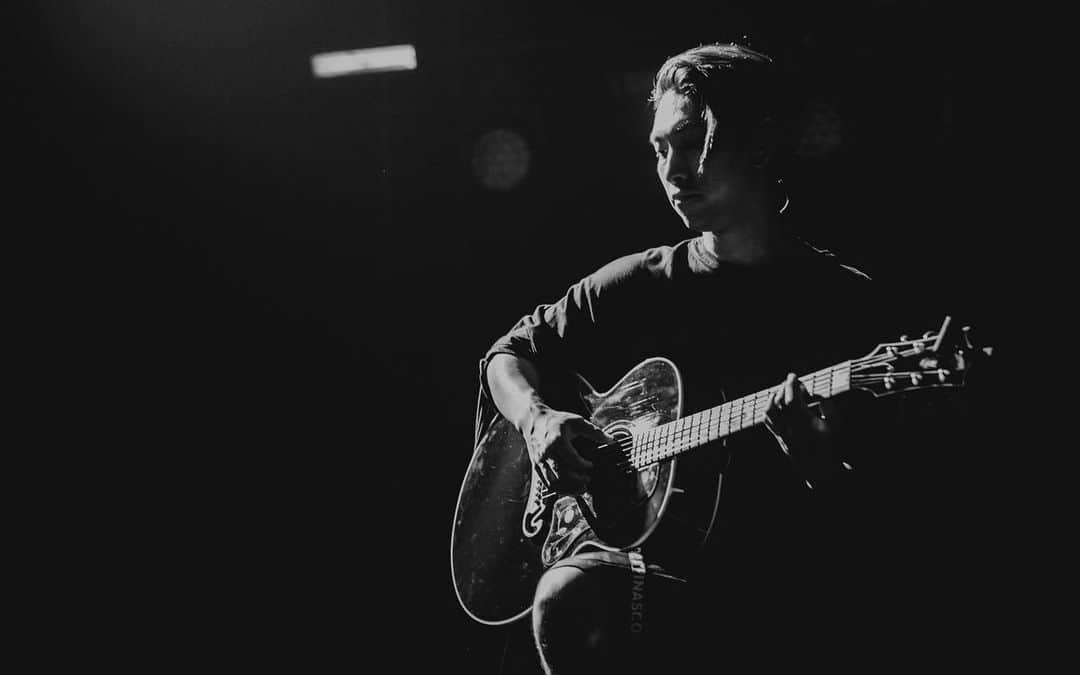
(737, 89)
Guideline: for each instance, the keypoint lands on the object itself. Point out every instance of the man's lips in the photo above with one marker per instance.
(685, 196)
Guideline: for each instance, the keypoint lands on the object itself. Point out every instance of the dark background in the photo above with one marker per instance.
(271, 291)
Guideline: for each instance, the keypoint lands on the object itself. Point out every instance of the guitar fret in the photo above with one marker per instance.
(687, 433)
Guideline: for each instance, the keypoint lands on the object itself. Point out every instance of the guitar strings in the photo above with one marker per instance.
(672, 438)
(741, 411)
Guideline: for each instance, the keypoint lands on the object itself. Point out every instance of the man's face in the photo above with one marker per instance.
(714, 200)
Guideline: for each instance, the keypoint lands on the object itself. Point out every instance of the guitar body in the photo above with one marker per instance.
(508, 529)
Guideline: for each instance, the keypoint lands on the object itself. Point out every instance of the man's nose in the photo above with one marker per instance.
(676, 170)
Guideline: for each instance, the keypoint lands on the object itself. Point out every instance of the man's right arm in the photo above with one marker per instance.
(549, 433)
(515, 389)
(563, 333)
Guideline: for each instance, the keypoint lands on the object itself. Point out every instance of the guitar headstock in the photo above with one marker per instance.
(938, 359)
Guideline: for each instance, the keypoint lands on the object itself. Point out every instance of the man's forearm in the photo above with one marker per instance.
(515, 389)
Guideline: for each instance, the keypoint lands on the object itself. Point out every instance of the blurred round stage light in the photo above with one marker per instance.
(500, 159)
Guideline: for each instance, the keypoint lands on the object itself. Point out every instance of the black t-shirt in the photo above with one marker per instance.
(730, 330)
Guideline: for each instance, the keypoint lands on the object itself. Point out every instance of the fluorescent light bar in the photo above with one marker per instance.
(375, 60)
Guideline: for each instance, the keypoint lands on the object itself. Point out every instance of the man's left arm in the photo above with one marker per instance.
(809, 434)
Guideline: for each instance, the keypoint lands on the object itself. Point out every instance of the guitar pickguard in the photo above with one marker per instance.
(532, 520)
(568, 524)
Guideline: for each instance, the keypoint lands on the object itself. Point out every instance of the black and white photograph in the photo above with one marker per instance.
(523, 338)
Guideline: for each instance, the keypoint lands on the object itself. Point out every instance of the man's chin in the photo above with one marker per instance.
(692, 218)
(693, 224)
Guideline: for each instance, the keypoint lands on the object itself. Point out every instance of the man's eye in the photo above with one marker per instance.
(692, 143)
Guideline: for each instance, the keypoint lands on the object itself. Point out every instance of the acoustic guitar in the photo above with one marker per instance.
(509, 526)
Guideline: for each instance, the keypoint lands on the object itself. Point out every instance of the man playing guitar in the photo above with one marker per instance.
(741, 306)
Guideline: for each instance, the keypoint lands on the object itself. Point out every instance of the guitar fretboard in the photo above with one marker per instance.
(687, 433)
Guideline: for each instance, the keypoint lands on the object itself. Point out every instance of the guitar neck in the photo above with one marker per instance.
(687, 433)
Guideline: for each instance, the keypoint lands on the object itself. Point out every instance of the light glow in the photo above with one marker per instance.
(374, 60)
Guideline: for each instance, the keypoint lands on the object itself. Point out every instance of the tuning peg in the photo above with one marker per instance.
(903, 338)
(966, 330)
(915, 378)
(928, 334)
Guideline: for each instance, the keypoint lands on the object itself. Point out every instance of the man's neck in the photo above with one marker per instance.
(743, 246)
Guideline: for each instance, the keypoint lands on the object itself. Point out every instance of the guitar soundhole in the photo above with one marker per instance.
(631, 486)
